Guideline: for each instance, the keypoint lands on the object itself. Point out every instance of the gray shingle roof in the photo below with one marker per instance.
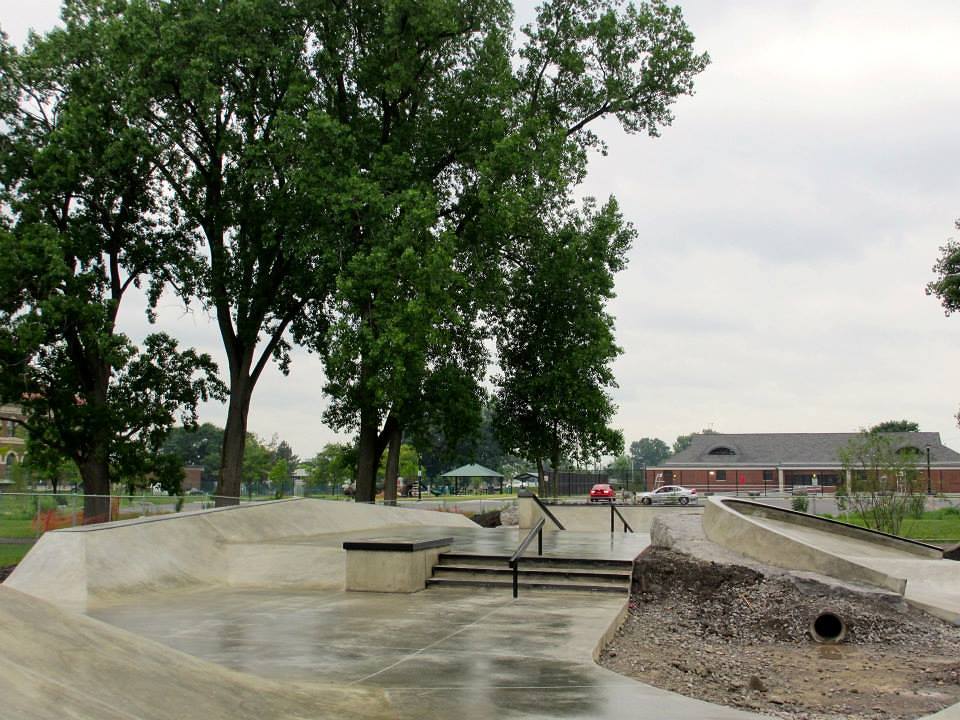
(800, 449)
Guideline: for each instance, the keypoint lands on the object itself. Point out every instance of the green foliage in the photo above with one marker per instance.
(884, 481)
(556, 343)
(84, 223)
(800, 503)
(257, 461)
(683, 441)
(842, 498)
(649, 451)
(916, 505)
(892, 426)
(335, 465)
(198, 446)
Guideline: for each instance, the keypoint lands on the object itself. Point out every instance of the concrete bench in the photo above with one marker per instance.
(392, 564)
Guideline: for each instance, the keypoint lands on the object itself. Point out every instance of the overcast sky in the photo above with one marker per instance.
(788, 222)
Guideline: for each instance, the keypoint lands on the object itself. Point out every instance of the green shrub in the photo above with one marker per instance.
(916, 504)
(951, 511)
(842, 499)
(800, 503)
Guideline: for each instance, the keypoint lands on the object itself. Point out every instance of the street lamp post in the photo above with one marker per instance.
(929, 485)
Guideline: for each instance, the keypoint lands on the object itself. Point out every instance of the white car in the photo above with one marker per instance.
(669, 494)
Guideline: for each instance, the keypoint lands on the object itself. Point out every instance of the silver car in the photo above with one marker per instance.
(669, 494)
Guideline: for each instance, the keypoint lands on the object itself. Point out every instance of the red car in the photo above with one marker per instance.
(602, 493)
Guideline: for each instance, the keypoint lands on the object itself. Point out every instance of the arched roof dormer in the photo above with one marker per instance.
(721, 450)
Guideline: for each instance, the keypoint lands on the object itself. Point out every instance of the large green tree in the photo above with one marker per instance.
(230, 93)
(84, 221)
(649, 451)
(555, 344)
(469, 140)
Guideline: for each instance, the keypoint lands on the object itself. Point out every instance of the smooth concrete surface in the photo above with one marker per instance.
(924, 579)
(57, 665)
(596, 517)
(440, 654)
(248, 545)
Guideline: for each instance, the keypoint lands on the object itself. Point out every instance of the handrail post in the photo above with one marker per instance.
(611, 518)
(516, 578)
(540, 541)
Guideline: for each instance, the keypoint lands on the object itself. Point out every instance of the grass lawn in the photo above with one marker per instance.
(940, 525)
(15, 528)
(12, 554)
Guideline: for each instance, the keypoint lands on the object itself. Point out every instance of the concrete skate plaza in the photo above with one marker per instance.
(241, 613)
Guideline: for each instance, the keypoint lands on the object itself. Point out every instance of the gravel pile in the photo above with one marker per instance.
(735, 635)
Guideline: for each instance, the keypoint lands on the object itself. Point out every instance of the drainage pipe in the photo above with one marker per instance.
(828, 627)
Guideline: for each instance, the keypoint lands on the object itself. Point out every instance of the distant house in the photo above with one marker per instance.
(783, 461)
(13, 442)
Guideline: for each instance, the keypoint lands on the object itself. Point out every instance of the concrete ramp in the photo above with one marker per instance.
(257, 545)
(57, 665)
(797, 541)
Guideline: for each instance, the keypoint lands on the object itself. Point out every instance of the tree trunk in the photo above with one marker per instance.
(555, 471)
(95, 475)
(372, 442)
(541, 479)
(367, 458)
(234, 438)
(394, 437)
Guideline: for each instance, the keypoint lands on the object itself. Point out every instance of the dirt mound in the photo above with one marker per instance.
(733, 635)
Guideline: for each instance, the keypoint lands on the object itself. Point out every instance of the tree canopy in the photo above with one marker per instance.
(84, 222)
(890, 426)
(649, 451)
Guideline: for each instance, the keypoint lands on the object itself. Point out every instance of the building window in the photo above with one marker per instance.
(668, 476)
(768, 475)
(11, 428)
(722, 451)
(11, 459)
(721, 474)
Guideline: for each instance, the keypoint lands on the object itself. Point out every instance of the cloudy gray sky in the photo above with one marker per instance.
(787, 225)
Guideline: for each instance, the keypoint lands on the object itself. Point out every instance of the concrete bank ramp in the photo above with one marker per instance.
(257, 545)
(798, 541)
(57, 665)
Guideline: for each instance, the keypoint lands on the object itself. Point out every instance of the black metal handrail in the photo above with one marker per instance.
(626, 525)
(546, 511)
(515, 558)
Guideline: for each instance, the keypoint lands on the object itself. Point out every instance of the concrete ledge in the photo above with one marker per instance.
(726, 525)
(397, 544)
(396, 565)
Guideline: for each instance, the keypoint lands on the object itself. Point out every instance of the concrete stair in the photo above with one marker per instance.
(535, 573)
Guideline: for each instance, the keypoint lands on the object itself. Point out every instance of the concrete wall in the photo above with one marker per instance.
(725, 525)
(251, 545)
(596, 518)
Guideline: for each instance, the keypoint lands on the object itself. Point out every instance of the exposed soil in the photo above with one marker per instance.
(737, 636)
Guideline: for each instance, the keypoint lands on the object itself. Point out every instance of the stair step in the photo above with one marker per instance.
(536, 560)
(537, 574)
(499, 584)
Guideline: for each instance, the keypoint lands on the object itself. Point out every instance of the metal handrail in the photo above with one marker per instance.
(514, 561)
(546, 511)
(626, 525)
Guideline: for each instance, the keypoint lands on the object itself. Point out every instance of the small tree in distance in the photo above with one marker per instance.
(884, 480)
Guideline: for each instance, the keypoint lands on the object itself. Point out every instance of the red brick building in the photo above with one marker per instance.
(783, 461)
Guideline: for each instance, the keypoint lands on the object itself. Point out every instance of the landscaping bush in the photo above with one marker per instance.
(800, 503)
(916, 504)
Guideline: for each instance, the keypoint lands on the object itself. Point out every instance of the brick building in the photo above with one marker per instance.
(13, 442)
(784, 461)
